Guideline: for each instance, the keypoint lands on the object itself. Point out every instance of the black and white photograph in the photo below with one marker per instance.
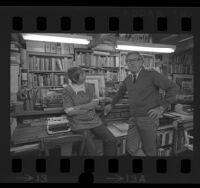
(101, 94)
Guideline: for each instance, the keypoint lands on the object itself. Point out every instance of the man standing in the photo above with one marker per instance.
(143, 97)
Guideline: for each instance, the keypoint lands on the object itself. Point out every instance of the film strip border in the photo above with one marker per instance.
(89, 24)
(99, 20)
(90, 170)
(102, 19)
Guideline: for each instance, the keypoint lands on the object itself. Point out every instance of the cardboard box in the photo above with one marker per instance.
(19, 107)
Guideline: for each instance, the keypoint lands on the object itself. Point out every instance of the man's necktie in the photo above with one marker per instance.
(134, 78)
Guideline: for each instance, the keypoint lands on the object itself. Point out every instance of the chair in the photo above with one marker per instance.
(64, 142)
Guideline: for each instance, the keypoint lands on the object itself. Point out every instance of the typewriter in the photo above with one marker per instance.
(57, 125)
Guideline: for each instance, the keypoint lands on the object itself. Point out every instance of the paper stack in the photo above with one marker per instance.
(121, 126)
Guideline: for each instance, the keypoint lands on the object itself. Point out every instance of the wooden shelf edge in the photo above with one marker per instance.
(36, 112)
(48, 54)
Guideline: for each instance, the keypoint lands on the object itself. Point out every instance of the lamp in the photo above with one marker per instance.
(145, 47)
(62, 38)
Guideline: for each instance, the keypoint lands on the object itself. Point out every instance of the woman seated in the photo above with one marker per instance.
(79, 104)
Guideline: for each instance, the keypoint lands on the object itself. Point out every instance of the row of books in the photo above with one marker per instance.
(164, 151)
(49, 64)
(185, 58)
(54, 48)
(109, 75)
(141, 38)
(164, 137)
(180, 68)
(42, 80)
(123, 60)
(181, 63)
(88, 59)
(180, 141)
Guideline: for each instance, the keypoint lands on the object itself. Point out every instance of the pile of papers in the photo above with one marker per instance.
(122, 127)
(118, 129)
(179, 116)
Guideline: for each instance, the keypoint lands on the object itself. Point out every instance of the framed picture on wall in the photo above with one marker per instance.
(185, 82)
(95, 84)
(101, 80)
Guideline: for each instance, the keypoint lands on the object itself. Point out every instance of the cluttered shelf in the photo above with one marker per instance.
(49, 54)
(50, 86)
(98, 67)
(57, 111)
(37, 112)
(46, 71)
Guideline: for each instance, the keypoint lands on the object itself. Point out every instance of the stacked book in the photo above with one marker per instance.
(118, 129)
(47, 64)
(164, 137)
(88, 59)
(182, 64)
(164, 151)
(180, 141)
(43, 80)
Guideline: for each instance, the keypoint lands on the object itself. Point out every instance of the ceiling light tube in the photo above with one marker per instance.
(145, 47)
(50, 38)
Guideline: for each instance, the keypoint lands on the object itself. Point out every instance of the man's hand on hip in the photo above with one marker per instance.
(107, 109)
(156, 113)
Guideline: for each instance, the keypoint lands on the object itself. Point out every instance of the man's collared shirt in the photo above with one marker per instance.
(136, 75)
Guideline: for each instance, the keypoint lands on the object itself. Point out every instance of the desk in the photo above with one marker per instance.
(31, 134)
(120, 136)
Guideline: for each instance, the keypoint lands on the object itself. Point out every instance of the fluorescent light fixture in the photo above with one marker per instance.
(53, 38)
(145, 47)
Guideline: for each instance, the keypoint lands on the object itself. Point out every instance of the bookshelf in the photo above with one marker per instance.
(175, 139)
(180, 66)
(181, 63)
(165, 140)
(47, 69)
(15, 75)
(97, 63)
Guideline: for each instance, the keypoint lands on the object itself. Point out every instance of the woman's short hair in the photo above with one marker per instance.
(73, 74)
